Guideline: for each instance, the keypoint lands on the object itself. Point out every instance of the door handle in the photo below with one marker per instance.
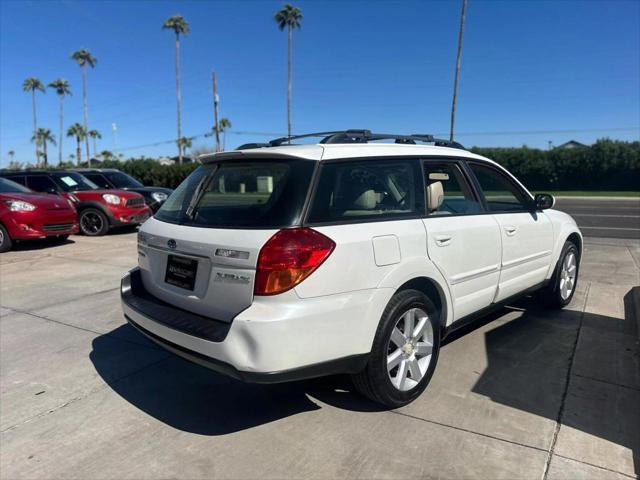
(510, 231)
(443, 240)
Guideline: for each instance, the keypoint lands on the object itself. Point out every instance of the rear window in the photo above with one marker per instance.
(368, 190)
(249, 194)
(122, 180)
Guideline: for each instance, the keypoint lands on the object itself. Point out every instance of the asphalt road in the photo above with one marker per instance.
(604, 217)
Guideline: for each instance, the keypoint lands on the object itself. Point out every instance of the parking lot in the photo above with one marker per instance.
(532, 394)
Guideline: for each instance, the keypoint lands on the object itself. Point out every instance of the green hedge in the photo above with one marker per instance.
(150, 172)
(606, 165)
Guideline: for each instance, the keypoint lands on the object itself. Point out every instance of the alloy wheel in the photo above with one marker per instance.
(91, 223)
(409, 349)
(568, 275)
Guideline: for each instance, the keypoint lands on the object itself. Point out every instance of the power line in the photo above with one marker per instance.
(511, 132)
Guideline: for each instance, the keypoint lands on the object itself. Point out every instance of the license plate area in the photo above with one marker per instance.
(181, 272)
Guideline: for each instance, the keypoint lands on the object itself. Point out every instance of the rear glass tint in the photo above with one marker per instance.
(368, 190)
(247, 194)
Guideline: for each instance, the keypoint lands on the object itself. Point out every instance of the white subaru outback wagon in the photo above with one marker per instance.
(357, 255)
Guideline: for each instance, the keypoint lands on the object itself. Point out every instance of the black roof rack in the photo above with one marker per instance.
(357, 136)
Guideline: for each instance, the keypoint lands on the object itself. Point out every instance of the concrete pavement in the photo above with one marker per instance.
(531, 394)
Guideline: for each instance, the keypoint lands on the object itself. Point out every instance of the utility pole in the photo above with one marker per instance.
(216, 127)
(458, 59)
(114, 136)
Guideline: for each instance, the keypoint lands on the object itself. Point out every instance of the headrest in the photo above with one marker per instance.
(366, 200)
(435, 196)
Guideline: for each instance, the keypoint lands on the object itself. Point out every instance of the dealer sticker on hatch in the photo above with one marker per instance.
(181, 272)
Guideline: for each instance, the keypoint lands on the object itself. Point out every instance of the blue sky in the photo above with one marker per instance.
(568, 68)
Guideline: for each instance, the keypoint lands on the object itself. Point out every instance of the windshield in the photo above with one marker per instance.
(72, 181)
(7, 186)
(122, 180)
(254, 194)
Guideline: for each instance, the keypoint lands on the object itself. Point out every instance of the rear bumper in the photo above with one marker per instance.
(269, 342)
(352, 364)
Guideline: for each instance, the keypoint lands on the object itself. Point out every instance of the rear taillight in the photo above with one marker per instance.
(289, 257)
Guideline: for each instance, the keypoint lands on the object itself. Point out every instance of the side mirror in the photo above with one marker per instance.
(543, 201)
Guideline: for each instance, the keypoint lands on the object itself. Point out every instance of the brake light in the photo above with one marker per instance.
(288, 257)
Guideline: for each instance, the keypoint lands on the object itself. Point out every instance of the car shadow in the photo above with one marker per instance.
(192, 398)
(528, 358)
(37, 244)
(528, 361)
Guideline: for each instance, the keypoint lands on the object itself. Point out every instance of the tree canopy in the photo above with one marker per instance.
(61, 86)
(177, 23)
(32, 84)
(84, 57)
(288, 17)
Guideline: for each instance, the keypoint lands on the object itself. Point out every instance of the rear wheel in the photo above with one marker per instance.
(57, 239)
(93, 222)
(5, 240)
(565, 279)
(405, 351)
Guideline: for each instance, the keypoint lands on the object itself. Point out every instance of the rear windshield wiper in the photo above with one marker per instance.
(198, 193)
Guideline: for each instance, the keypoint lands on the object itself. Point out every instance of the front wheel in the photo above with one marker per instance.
(565, 279)
(93, 222)
(5, 240)
(405, 351)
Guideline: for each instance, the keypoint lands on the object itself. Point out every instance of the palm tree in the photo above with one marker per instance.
(33, 84)
(184, 143)
(289, 17)
(61, 86)
(11, 154)
(179, 25)
(223, 124)
(42, 137)
(458, 59)
(107, 154)
(94, 134)
(78, 131)
(84, 58)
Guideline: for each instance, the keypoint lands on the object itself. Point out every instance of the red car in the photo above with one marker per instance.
(26, 215)
(99, 210)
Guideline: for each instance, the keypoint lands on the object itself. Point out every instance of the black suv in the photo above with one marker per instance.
(109, 178)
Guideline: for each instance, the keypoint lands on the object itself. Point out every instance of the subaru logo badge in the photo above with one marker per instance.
(172, 244)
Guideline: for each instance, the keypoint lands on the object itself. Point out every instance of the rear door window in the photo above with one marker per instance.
(98, 179)
(368, 190)
(41, 183)
(457, 196)
(251, 194)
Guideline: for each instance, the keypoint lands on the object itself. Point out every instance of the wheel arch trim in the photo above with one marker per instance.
(422, 275)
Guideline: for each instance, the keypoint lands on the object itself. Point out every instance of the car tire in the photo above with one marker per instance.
(5, 240)
(562, 287)
(57, 239)
(93, 222)
(396, 374)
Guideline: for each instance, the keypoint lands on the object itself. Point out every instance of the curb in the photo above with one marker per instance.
(615, 199)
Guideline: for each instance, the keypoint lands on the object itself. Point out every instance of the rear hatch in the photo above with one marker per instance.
(200, 251)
